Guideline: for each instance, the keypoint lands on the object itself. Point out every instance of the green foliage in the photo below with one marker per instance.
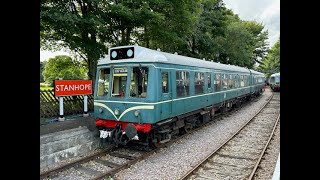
(258, 41)
(63, 67)
(206, 38)
(42, 65)
(198, 28)
(76, 25)
(271, 63)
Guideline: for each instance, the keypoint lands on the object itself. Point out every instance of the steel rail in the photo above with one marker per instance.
(73, 163)
(131, 162)
(189, 173)
(264, 149)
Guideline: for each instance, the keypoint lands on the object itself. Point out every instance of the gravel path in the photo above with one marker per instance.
(173, 162)
(268, 163)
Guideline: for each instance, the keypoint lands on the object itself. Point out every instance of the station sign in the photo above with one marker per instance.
(72, 87)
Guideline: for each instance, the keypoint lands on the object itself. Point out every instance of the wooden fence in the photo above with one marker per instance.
(72, 105)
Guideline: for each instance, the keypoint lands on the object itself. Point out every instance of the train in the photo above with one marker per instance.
(274, 82)
(147, 96)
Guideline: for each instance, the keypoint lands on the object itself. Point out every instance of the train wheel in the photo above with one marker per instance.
(157, 145)
(187, 128)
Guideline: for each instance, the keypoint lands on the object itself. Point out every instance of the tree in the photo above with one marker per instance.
(271, 63)
(174, 22)
(258, 42)
(63, 67)
(75, 25)
(205, 39)
(89, 27)
(236, 46)
(42, 65)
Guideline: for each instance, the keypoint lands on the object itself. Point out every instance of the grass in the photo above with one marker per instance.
(44, 86)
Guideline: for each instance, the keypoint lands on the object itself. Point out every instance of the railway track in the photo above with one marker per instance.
(111, 160)
(239, 157)
(98, 165)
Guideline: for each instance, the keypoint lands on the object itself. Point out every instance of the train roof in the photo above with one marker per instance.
(142, 54)
(256, 72)
(275, 74)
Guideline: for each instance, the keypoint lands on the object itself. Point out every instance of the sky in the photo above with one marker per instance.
(266, 12)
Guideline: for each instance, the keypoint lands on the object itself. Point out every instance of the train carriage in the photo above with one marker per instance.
(147, 96)
(274, 81)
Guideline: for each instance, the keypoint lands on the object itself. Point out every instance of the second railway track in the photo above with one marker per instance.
(105, 163)
(240, 155)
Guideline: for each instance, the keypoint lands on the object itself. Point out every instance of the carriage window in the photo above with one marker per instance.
(182, 82)
(165, 82)
(245, 78)
(209, 80)
(241, 81)
(236, 81)
(198, 83)
(217, 82)
(103, 82)
(119, 82)
(224, 82)
(139, 82)
(230, 82)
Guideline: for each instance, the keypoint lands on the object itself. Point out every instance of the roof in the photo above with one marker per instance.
(142, 54)
(275, 74)
(256, 72)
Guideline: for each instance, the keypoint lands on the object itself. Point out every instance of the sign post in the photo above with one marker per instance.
(85, 106)
(61, 118)
(72, 88)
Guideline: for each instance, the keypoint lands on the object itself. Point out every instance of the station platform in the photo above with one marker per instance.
(62, 140)
(70, 122)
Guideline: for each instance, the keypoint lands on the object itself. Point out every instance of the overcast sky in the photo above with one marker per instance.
(266, 12)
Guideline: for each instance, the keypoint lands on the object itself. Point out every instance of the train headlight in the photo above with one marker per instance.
(129, 53)
(116, 112)
(136, 113)
(114, 54)
(100, 110)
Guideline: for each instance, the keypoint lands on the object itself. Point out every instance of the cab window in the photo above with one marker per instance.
(119, 82)
(139, 82)
(103, 82)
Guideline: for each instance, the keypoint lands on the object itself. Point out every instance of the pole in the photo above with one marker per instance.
(61, 118)
(85, 114)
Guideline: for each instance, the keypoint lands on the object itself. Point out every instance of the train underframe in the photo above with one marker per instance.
(121, 133)
(275, 87)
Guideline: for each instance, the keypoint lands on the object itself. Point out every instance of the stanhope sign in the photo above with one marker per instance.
(72, 87)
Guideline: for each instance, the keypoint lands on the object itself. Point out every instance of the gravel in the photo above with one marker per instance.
(268, 163)
(176, 160)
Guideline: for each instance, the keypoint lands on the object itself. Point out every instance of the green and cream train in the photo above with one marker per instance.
(146, 96)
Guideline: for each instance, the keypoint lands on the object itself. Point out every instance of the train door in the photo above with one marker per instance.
(166, 94)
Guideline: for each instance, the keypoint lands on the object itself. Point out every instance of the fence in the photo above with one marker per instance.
(72, 105)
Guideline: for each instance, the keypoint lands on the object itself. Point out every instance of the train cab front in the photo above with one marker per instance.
(121, 133)
(124, 101)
